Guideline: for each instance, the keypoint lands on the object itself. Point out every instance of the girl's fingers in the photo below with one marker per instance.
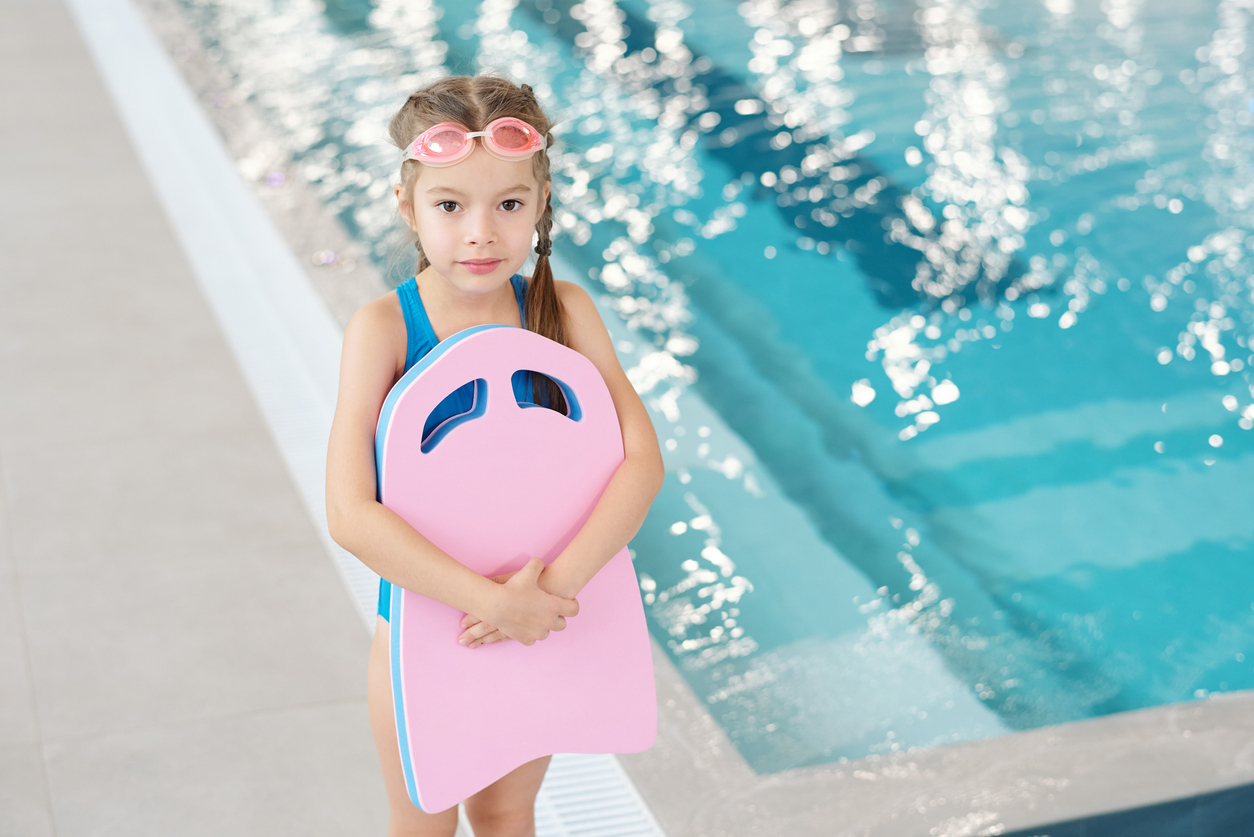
(495, 636)
(475, 632)
(468, 621)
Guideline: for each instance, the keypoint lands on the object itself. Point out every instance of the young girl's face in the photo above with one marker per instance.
(475, 219)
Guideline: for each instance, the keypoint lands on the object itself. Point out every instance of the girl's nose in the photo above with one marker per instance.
(481, 230)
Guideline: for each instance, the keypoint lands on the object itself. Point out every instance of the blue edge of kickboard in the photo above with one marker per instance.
(380, 442)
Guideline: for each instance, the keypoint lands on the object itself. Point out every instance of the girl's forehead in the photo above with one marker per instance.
(478, 173)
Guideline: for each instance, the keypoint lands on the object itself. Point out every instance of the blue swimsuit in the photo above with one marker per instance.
(422, 339)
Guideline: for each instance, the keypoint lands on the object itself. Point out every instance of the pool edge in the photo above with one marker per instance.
(1017, 781)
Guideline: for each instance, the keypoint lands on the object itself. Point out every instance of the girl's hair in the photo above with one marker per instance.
(473, 102)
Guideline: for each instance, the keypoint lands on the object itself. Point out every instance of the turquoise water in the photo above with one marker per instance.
(943, 311)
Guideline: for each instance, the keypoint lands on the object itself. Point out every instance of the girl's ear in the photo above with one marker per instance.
(543, 203)
(405, 207)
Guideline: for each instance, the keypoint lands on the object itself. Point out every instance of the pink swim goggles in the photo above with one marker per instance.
(506, 138)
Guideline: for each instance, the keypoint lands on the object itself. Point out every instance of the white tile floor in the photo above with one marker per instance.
(177, 655)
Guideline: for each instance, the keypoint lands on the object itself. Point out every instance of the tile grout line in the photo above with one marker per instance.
(19, 606)
(206, 719)
(279, 330)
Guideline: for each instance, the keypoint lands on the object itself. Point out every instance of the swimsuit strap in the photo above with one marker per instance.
(520, 293)
(420, 334)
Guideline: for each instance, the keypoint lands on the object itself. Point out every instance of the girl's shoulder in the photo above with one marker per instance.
(383, 312)
(567, 290)
(378, 329)
(585, 330)
(577, 304)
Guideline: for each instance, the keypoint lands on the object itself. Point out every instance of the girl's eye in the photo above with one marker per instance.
(509, 204)
(448, 206)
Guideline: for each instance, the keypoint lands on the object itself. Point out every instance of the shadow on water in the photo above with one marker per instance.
(348, 17)
(858, 202)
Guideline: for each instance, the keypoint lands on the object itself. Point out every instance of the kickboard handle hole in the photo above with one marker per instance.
(535, 389)
(466, 403)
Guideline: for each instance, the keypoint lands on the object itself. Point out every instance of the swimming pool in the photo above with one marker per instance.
(942, 309)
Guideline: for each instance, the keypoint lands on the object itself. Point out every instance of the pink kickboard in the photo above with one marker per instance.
(503, 484)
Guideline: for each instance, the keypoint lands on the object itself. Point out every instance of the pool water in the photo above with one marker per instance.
(942, 309)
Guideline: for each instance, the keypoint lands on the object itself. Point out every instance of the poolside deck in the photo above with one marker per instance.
(177, 654)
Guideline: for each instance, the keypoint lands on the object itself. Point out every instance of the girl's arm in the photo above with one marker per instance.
(374, 346)
(621, 510)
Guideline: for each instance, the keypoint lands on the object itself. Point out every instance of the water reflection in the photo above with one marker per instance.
(980, 184)
(1093, 110)
(1224, 304)
(981, 190)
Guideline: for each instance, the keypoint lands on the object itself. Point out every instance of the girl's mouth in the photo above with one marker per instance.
(480, 265)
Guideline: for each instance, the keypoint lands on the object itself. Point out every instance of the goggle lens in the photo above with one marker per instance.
(510, 137)
(446, 141)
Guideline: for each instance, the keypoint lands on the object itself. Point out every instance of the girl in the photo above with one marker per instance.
(474, 190)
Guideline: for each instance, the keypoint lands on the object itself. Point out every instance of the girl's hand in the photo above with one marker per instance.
(478, 632)
(523, 611)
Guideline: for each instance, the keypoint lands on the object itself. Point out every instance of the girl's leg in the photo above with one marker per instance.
(405, 819)
(507, 807)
